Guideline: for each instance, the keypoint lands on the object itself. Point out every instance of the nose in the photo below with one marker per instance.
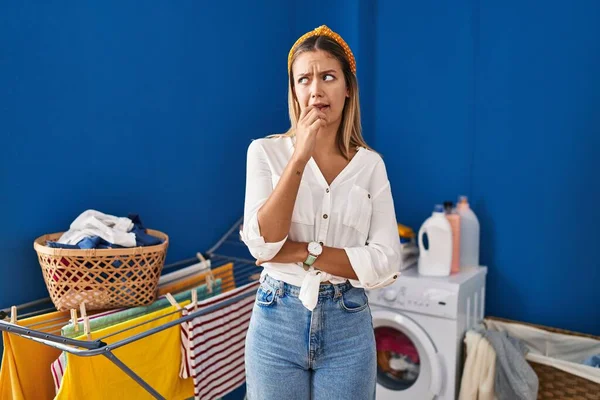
(316, 89)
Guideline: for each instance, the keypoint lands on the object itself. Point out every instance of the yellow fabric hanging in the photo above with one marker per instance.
(25, 372)
(156, 359)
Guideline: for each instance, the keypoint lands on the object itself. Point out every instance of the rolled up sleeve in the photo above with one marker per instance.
(259, 186)
(377, 264)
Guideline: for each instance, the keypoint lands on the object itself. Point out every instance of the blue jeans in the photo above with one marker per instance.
(293, 353)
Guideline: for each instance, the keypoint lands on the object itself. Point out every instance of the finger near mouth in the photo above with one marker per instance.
(323, 108)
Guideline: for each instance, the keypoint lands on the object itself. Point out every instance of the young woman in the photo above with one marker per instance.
(319, 218)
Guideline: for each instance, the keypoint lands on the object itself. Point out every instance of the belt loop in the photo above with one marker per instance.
(337, 291)
(281, 288)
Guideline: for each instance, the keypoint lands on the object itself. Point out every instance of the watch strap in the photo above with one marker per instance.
(310, 259)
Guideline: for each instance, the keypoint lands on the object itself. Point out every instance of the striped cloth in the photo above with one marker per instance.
(214, 344)
(58, 368)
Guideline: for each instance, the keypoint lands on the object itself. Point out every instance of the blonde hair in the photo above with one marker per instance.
(349, 133)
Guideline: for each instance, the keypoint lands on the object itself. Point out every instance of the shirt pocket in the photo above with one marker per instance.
(359, 208)
(303, 208)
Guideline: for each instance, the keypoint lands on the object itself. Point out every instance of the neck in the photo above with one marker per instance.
(327, 139)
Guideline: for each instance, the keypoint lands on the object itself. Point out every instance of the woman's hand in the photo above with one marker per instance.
(311, 120)
(291, 252)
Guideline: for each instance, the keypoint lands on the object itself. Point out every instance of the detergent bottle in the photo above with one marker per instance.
(454, 220)
(436, 260)
(469, 234)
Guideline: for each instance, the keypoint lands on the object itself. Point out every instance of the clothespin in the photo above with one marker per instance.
(172, 300)
(201, 258)
(13, 315)
(74, 319)
(86, 321)
(194, 298)
(255, 277)
(210, 280)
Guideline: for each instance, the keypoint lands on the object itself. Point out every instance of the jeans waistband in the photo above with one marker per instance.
(326, 290)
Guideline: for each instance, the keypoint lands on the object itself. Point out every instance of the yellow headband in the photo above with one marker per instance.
(323, 30)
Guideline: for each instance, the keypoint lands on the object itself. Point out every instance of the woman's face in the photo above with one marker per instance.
(319, 81)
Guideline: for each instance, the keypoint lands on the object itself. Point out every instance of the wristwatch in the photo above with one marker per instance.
(314, 250)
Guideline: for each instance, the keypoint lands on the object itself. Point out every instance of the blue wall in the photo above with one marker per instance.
(129, 107)
(149, 109)
(500, 102)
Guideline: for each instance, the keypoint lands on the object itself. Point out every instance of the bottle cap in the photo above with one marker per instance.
(463, 203)
(448, 206)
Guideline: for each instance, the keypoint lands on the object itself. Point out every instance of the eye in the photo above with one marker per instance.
(326, 76)
(304, 79)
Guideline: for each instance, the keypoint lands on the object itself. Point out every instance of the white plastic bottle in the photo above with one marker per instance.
(469, 234)
(437, 259)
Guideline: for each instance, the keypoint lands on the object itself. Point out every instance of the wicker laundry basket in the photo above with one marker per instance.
(555, 383)
(102, 278)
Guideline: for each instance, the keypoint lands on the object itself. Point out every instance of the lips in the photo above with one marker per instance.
(322, 107)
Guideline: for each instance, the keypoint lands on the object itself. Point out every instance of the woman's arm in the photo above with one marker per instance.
(275, 215)
(377, 263)
(268, 210)
(332, 260)
(262, 243)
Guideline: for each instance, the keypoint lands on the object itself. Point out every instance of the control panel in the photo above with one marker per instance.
(410, 296)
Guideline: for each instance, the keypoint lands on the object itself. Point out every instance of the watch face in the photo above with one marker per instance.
(315, 248)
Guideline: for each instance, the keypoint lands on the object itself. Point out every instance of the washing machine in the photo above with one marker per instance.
(420, 323)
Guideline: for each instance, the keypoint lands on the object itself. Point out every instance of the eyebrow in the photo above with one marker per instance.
(310, 73)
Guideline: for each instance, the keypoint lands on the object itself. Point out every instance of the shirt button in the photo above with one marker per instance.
(324, 216)
(369, 195)
(327, 190)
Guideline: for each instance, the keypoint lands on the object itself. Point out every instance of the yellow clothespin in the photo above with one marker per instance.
(13, 315)
(86, 321)
(74, 319)
(172, 300)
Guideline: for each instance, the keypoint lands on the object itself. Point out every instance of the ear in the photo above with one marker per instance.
(348, 93)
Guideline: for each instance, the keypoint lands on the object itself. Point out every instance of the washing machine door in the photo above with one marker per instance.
(408, 364)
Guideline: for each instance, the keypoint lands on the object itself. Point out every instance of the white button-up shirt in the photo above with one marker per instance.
(355, 213)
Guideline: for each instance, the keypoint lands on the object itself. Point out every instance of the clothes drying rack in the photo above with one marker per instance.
(229, 249)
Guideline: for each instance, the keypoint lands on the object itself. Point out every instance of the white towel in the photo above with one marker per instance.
(115, 230)
(480, 369)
